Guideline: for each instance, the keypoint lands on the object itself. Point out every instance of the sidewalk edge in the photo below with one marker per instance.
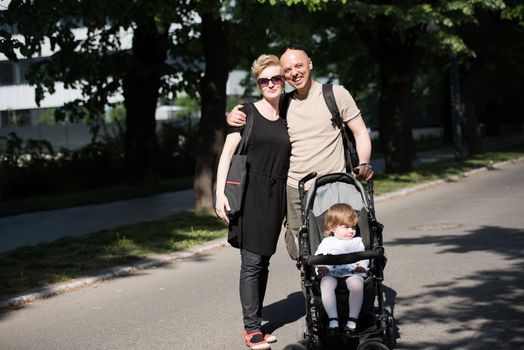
(20, 300)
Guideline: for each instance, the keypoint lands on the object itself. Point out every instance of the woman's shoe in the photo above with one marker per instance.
(332, 331)
(270, 338)
(350, 331)
(255, 340)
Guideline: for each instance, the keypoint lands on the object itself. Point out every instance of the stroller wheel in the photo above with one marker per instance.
(300, 345)
(295, 346)
(372, 344)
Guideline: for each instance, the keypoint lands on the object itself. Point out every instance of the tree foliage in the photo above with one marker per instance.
(139, 49)
(397, 37)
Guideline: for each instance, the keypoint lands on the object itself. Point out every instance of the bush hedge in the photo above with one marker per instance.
(32, 167)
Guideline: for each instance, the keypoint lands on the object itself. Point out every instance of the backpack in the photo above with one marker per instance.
(348, 139)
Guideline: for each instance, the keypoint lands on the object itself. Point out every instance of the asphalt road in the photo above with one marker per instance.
(454, 281)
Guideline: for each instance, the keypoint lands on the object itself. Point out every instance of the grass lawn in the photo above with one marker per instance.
(68, 258)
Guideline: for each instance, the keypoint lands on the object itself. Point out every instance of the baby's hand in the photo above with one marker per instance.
(322, 271)
(359, 268)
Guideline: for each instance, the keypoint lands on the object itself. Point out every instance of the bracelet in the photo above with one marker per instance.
(367, 165)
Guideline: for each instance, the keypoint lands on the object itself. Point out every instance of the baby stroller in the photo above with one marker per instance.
(376, 328)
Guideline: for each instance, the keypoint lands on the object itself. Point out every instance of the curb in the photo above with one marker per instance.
(18, 301)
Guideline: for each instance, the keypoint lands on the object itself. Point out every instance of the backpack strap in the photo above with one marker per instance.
(246, 133)
(349, 147)
(283, 106)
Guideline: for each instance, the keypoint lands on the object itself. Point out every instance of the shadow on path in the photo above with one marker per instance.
(491, 297)
(283, 312)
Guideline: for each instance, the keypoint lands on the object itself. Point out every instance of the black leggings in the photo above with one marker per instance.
(253, 281)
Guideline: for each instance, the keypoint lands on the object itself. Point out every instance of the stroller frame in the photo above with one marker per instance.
(382, 332)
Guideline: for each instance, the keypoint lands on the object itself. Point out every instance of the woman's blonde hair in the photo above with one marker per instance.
(340, 214)
(262, 62)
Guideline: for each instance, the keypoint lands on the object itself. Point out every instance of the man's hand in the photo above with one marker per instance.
(236, 117)
(364, 171)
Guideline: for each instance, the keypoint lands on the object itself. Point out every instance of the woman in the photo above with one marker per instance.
(258, 227)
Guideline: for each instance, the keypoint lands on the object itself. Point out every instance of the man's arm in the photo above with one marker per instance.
(236, 117)
(363, 145)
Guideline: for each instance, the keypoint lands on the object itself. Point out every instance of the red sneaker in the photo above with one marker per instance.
(255, 341)
(270, 338)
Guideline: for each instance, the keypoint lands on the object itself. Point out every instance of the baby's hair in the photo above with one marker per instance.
(262, 62)
(340, 214)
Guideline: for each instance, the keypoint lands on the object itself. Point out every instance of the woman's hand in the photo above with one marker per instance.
(222, 207)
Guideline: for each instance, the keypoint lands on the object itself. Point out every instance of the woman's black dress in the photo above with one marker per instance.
(258, 226)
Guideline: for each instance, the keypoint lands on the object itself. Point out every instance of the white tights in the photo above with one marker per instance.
(355, 286)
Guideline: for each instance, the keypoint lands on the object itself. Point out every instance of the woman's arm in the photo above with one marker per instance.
(230, 145)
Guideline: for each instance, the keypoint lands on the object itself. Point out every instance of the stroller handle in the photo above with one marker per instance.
(305, 179)
(342, 259)
(302, 192)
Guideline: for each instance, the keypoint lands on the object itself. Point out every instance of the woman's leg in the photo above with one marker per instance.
(329, 299)
(355, 286)
(253, 281)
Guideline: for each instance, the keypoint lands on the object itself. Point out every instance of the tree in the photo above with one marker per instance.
(213, 103)
(91, 53)
(397, 34)
(492, 82)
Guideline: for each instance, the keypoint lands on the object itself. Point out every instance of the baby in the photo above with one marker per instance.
(341, 220)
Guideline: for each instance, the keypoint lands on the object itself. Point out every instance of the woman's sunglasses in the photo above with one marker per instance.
(276, 80)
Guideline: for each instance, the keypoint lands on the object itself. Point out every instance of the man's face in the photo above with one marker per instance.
(297, 66)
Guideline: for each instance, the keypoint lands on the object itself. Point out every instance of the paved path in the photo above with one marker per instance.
(33, 228)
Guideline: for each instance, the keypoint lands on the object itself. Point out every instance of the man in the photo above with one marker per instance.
(316, 142)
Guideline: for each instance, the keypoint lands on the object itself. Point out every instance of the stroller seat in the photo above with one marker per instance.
(374, 321)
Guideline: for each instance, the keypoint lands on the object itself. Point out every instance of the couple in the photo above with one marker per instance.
(279, 154)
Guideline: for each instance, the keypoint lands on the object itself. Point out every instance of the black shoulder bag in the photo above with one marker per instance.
(236, 176)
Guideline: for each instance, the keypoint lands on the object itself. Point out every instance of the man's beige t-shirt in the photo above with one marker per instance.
(316, 143)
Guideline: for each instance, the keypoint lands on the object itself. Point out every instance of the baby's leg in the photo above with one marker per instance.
(329, 300)
(355, 286)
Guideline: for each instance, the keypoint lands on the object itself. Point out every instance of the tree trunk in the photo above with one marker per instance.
(472, 132)
(395, 124)
(141, 90)
(398, 56)
(213, 106)
(398, 59)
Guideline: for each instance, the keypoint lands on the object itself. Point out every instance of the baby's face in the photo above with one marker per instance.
(344, 232)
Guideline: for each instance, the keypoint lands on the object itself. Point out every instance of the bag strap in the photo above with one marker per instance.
(283, 106)
(329, 98)
(242, 147)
